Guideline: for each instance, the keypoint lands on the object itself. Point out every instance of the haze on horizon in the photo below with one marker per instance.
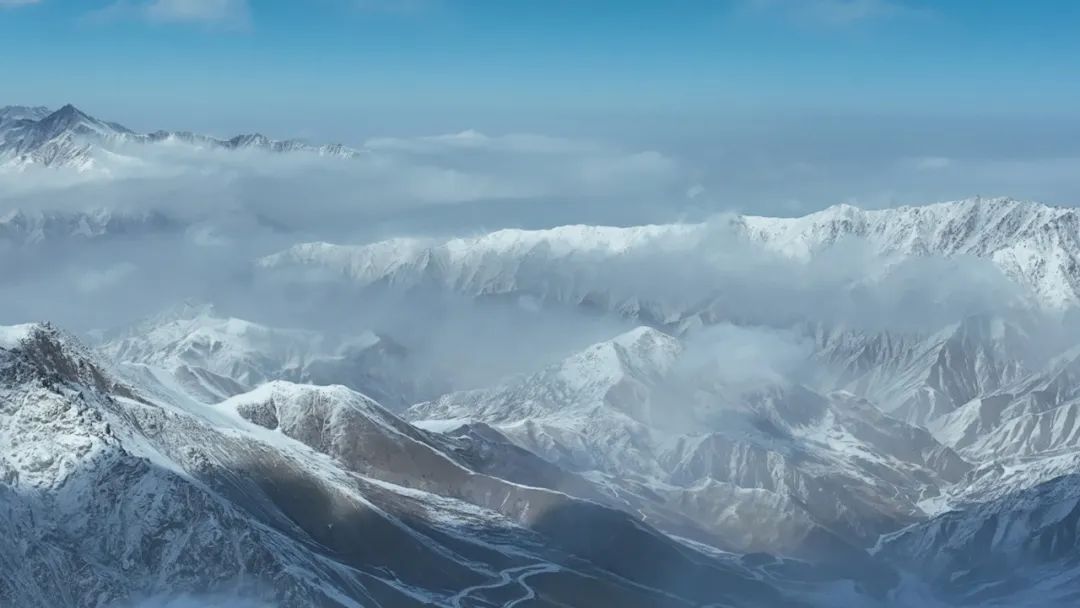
(775, 107)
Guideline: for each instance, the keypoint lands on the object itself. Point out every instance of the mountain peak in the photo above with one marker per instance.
(844, 209)
(70, 119)
(68, 114)
(68, 136)
(249, 139)
(52, 354)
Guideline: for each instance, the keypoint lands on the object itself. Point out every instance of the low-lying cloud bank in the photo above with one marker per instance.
(668, 274)
(203, 216)
(386, 181)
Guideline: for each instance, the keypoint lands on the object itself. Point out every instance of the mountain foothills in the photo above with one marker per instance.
(784, 412)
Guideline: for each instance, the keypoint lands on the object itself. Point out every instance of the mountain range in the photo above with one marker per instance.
(69, 138)
(309, 495)
(857, 407)
(764, 494)
(1034, 246)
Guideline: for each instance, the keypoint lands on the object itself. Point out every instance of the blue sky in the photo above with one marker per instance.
(786, 105)
(446, 64)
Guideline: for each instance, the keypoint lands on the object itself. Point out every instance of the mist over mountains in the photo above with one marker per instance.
(304, 374)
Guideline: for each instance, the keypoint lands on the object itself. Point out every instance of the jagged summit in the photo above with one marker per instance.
(73, 120)
(67, 114)
(50, 355)
(69, 137)
(1035, 245)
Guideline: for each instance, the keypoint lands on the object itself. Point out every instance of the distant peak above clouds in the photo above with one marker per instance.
(1034, 245)
(71, 138)
(49, 157)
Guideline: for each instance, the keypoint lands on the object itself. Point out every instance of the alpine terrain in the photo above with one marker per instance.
(855, 407)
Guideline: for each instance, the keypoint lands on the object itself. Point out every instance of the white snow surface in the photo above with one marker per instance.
(1035, 245)
(12, 335)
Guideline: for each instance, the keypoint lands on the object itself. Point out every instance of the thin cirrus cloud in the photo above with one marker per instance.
(835, 13)
(396, 7)
(224, 14)
(14, 3)
(232, 12)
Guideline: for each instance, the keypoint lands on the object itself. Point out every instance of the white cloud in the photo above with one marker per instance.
(13, 3)
(226, 14)
(832, 12)
(390, 178)
(474, 140)
(472, 166)
(933, 163)
(220, 12)
(93, 280)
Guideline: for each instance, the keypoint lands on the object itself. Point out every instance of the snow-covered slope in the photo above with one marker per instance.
(1033, 244)
(40, 227)
(214, 357)
(302, 496)
(1019, 435)
(60, 138)
(1017, 550)
(1036, 245)
(919, 378)
(786, 461)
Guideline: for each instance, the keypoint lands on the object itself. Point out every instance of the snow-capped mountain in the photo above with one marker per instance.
(920, 378)
(61, 138)
(215, 357)
(22, 228)
(747, 464)
(1034, 245)
(888, 463)
(788, 462)
(976, 386)
(303, 496)
(1017, 550)
(70, 138)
